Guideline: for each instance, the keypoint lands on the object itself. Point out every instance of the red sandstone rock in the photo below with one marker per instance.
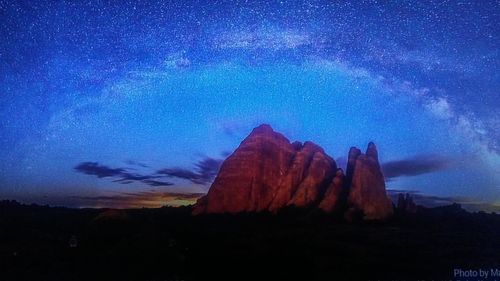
(332, 199)
(268, 173)
(248, 179)
(294, 176)
(367, 190)
(318, 175)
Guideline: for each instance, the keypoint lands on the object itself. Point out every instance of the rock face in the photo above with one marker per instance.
(334, 195)
(293, 188)
(367, 188)
(318, 174)
(267, 173)
(249, 178)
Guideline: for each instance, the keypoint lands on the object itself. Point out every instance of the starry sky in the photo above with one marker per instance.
(136, 103)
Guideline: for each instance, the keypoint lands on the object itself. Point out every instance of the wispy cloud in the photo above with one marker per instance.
(417, 165)
(203, 173)
(120, 175)
(151, 182)
(100, 171)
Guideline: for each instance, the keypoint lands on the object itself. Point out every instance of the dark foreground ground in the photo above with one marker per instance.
(168, 244)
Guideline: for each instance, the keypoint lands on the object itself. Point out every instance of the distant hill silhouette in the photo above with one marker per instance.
(44, 243)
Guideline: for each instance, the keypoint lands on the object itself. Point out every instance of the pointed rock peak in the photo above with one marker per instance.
(354, 152)
(265, 131)
(371, 151)
(263, 128)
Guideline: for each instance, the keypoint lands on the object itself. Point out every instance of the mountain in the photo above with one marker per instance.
(268, 173)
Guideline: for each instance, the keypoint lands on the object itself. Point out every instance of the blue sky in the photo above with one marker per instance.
(131, 89)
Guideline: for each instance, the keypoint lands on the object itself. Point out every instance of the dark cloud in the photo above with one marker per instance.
(420, 164)
(101, 171)
(123, 181)
(120, 175)
(133, 177)
(152, 182)
(203, 173)
(208, 168)
(180, 173)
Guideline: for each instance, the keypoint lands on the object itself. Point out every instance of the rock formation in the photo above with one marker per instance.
(249, 178)
(406, 204)
(318, 174)
(267, 173)
(367, 187)
(334, 195)
(299, 168)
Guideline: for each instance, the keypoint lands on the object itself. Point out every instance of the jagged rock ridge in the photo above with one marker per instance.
(267, 173)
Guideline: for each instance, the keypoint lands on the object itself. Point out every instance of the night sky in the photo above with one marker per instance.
(135, 103)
